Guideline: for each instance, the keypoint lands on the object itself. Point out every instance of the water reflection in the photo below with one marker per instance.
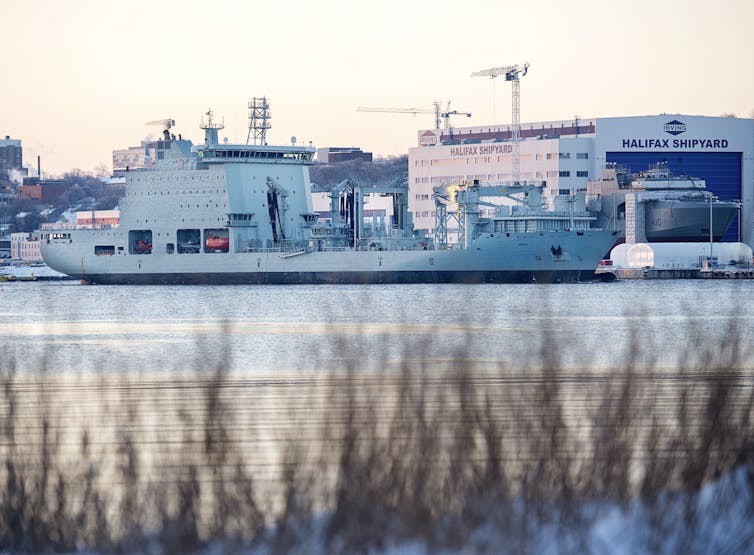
(282, 328)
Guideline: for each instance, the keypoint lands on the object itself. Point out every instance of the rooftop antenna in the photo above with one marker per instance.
(259, 120)
(513, 74)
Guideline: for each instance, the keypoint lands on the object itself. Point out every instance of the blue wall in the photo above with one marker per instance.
(721, 171)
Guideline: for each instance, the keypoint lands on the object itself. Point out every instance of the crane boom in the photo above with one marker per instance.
(167, 123)
(396, 110)
(439, 114)
(412, 111)
(511, 73)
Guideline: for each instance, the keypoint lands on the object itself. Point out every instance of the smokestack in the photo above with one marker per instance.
(39, 167)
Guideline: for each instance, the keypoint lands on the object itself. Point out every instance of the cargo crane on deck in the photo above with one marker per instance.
(166, 124)
(512, 74)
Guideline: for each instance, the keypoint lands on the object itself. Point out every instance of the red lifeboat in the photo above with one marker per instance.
(215, 243)
(143, 247)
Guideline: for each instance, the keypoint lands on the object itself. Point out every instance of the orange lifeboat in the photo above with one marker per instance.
(143, 247)
(215, 243)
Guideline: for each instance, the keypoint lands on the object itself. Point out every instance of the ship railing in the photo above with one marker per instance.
(555, 215)
(281, 248)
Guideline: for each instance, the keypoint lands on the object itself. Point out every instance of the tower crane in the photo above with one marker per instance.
(437, 111)
(512, 74)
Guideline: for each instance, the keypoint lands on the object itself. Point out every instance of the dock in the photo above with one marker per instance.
(679, 273)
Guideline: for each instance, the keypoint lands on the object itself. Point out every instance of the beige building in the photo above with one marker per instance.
(25, 247)
(98, 218)
(558, 153)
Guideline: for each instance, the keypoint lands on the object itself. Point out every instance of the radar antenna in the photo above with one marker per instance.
(513, 74)
(209, 124)
(259, 120)
(210, 129)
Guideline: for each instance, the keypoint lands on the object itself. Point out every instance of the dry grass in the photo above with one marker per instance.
(454, 455)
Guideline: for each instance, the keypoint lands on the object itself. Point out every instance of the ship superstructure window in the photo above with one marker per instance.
(216, 240)
(169, 248)
(188, 241)
(564, 173)
(140, 241)
(582, 173)
(582, 156)
(257, 154)
(104, 250)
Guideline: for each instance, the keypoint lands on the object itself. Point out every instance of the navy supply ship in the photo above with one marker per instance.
(656, 206)
(242, 214)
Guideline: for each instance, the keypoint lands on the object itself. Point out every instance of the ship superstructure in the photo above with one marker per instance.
(223, 213)
(657, 206)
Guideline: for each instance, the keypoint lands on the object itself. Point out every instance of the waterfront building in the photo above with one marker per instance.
(335, 154)
(133, 158)
(566, 154)
(25, 247)
(11, 154)
(44, 191)
(97, 218)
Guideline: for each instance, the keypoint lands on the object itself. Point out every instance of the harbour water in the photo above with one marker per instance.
(144, 386)
(70, 327)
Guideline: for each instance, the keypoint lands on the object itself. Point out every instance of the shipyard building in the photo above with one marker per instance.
(566, 154)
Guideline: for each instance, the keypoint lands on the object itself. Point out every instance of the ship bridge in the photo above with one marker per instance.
(256, 153)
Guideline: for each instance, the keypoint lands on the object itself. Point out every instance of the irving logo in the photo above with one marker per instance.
(675, 127)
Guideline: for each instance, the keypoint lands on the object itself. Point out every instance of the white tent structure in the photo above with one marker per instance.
(679, 255)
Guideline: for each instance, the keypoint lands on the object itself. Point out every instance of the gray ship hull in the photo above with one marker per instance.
(503, 258)
(688, 222)
(333, 278)
(673, 221)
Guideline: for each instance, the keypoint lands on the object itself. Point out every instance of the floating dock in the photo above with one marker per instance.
(678, 273)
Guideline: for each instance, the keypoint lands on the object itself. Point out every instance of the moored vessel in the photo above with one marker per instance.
(656, 206)
(242, 214)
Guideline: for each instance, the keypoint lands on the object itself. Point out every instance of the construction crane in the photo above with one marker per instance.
(437, 111)
(512, 74)
(166, 124)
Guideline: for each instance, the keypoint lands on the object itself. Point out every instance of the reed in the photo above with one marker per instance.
(454, 454)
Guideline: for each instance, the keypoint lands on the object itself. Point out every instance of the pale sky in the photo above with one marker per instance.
(81, 78)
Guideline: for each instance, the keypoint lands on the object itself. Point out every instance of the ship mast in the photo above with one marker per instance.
(210, 129)
(259, 120)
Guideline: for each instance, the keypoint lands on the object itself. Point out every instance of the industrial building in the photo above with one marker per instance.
(44, 191)
(566, 154)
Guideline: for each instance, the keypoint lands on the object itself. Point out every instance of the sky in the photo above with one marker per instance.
(80, 78)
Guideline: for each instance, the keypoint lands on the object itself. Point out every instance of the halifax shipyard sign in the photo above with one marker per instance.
(481, 150)
(675, 128)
